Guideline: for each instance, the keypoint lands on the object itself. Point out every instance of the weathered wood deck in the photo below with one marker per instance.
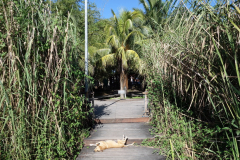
(118, 117)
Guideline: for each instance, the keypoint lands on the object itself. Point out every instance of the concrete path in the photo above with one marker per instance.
(118, 116)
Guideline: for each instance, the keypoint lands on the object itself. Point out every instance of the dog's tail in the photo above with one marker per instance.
(130, 144)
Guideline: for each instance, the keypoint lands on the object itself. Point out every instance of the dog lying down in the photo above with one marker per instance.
(102, 145)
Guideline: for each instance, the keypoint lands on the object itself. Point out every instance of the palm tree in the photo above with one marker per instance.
(121, 35)
(156, 11)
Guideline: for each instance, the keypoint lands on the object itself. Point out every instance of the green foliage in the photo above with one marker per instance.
(43, 112)
(121, 34)
(77, 9)
(65, 6)
(193, 79)
(176, 135)
(157, 11)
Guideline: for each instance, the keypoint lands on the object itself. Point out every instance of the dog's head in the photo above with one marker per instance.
(98, 148)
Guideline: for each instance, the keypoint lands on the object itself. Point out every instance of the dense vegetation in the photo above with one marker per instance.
(188, 53)
(43, 112)
(194, 82)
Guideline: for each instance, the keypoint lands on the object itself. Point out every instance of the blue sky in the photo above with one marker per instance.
(105, 6)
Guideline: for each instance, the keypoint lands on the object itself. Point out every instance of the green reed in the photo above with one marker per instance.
(43, 114)
(195, 57)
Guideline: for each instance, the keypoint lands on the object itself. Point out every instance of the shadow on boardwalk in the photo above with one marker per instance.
(100, 110)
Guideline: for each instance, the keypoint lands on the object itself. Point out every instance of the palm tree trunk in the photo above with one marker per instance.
(123, 84)
(126, 82)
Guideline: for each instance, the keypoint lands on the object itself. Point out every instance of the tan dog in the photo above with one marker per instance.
(102, 145)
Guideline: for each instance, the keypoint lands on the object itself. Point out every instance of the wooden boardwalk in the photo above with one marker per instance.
(118, 117)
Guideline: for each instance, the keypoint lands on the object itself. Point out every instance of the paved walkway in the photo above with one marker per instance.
(116, 117)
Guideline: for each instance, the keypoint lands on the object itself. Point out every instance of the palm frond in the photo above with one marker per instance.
(137, 34)
(132, 55)
(128, 25)
(137, 16)
(145, 5)
(116, 22)
(104, 51)
(113, 40)
(109, 30)
(108, 60)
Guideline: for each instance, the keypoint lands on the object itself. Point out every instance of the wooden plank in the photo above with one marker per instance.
(122, 120)
(126, 153)
(117, 130)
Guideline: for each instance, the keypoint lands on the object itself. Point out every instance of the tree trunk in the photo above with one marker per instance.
(111, 79)
(123, 82)
(126, 82)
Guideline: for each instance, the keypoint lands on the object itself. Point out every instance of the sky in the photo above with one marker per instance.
(105, 6)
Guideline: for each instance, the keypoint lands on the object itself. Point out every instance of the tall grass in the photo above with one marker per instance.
(43, 114)
(194, 62)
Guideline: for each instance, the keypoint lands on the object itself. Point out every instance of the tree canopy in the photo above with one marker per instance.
(121, 34)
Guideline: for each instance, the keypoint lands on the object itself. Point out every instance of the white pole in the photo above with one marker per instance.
(86, 50)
